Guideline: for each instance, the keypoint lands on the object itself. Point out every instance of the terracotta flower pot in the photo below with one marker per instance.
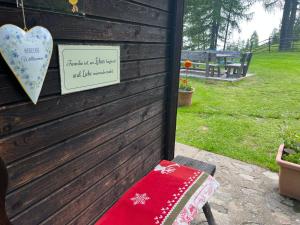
(289, 176)
(185, 97)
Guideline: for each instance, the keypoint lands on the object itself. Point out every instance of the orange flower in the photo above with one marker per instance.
(187, 64)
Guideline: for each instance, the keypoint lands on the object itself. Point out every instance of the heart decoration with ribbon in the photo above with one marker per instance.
(28, 55)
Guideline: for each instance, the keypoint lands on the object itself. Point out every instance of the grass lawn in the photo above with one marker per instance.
(242, 120)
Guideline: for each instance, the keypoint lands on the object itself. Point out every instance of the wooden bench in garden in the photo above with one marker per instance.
(239, 69)
(213, 66)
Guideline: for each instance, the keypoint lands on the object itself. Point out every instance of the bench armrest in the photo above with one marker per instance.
(206, 167)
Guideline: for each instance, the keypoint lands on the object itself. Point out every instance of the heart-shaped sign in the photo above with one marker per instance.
(28, 55)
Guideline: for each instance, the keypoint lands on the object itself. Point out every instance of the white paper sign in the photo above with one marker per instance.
(84, 67)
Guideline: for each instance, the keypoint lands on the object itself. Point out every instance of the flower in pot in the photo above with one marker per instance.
(288, 159)
(185, 92)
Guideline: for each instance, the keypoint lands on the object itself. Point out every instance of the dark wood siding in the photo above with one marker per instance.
(70, 157)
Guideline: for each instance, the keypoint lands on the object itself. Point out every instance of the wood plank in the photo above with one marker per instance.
(19, 145)
(96, 169)
(131, 12)
(161, 4)
(35, 166)
(128, 52)
(101, 203)
(145, 167)
(128, 11)
(172, 97)
(105, 201)
(12, 92)
(141, 68)
(134, 68)
(52, 5)
(144, 51)
(70, 157)
(77, 28)
(20, 116)
(139, 162)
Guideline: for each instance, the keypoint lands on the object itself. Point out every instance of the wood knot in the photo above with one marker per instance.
(137, 31)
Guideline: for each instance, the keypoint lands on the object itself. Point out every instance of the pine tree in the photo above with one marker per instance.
(196, 24)
(208, 21)
(248, 45)
(234, 11)
(254, 40)
(275, 35)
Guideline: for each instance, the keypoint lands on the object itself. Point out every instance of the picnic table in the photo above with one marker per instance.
(212, 62)
(226, 57)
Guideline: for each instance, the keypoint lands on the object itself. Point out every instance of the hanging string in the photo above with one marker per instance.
(23, 13)
(74, 4)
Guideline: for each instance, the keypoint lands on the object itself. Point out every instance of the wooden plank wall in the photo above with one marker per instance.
(70, 157)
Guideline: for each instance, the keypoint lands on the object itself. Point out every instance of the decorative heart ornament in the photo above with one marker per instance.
(28, 55)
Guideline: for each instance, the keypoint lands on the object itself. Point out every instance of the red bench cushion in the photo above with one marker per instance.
(167, 195)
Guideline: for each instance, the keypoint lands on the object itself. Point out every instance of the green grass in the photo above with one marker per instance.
(242, 120)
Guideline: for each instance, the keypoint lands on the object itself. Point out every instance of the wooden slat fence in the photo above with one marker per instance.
(71, 156)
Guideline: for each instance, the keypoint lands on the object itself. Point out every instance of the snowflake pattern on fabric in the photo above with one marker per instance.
(140, 199)
(166, 169)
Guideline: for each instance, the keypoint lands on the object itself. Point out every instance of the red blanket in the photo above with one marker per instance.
(170, 194)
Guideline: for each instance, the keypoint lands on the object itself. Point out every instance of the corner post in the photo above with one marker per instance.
(173, 81)
(3, 188)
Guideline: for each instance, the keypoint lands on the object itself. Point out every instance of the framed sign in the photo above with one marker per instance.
(84, 67)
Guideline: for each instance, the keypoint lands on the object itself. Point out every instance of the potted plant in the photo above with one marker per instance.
(185, 92)
(288, 159)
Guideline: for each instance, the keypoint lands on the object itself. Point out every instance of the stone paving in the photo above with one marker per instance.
(201, 75)
(248, 194)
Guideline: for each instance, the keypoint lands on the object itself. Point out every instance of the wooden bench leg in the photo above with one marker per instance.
(228, 71)
(208, 214)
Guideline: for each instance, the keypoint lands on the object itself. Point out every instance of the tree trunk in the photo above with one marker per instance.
(292, 21)
(214, 35)
(284, 44)
(227, 29)
(284, 25)
(215, 24)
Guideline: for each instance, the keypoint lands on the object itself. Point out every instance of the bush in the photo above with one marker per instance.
(293, 158)
(291, 141)
(185, 85)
